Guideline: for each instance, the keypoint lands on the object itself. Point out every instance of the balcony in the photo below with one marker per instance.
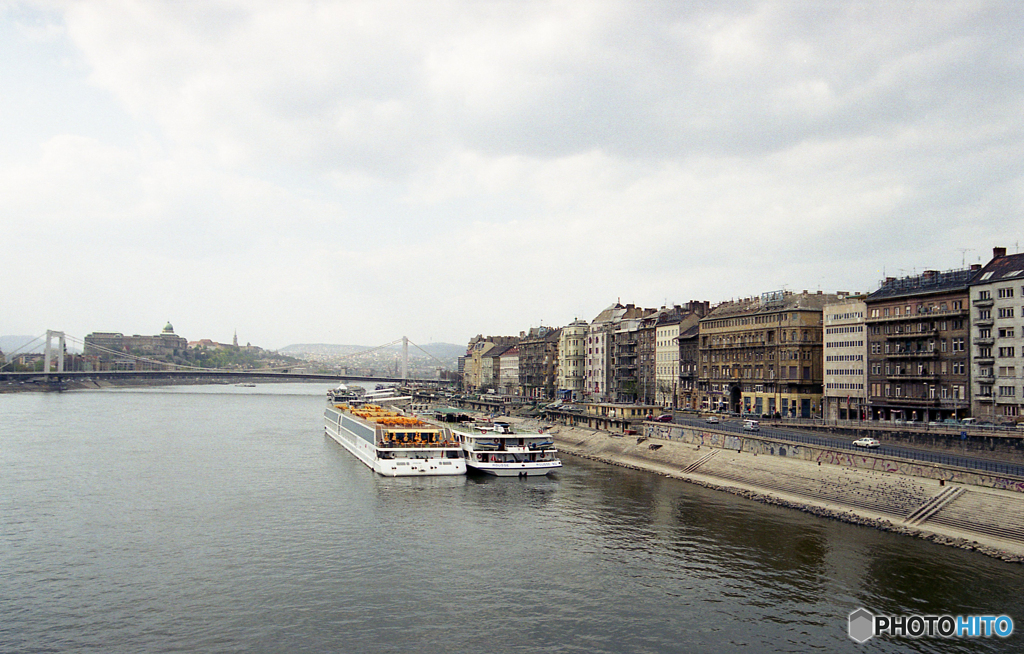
(985, 361)
(913, 334)
(984, 341)
(984, 398)
(920, 354)
(983, 322)
(924, 315)
(912, 377)
(983, 302)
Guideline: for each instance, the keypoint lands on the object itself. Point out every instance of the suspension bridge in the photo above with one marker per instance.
(56, 374)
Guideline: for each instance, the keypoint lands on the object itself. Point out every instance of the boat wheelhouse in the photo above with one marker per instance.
(392, 443)
(500, 449)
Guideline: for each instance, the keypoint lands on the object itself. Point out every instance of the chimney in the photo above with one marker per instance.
(998, 253)
(975, 267)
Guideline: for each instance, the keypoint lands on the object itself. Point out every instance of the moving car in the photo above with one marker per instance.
(712, 419)
(866, 442)
(751, 425)
(665, 417)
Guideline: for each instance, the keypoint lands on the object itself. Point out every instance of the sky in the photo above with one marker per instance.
(352, 172)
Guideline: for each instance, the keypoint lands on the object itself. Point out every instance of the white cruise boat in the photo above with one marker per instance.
(498, 449)
(392, 443)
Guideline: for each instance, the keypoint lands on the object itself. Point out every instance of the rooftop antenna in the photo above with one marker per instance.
(963, 256)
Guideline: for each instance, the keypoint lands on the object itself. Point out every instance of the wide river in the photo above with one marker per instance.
(221, 519)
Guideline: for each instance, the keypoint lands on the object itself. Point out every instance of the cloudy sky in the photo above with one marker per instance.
(351, 172)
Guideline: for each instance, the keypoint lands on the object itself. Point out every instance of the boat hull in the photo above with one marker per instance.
(515, 469)
(431, 462)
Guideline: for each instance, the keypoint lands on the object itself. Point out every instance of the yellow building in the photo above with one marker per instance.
(763, 355)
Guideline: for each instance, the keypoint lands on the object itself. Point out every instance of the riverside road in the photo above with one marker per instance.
(799, 436)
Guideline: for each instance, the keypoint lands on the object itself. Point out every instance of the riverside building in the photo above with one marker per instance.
(997, 338)
(917, 332)
(763, 355)
(845, 352)
(571, 360)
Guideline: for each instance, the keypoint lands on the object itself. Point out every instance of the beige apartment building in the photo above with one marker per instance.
(572, 354)
(845, 351)
(763, 355)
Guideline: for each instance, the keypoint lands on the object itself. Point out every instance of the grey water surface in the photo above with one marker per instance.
(221, 519)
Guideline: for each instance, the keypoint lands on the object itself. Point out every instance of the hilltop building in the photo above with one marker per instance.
(111, 346)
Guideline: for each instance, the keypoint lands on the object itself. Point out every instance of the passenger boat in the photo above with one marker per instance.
(345, 393)
(499, 449)
(392, 443)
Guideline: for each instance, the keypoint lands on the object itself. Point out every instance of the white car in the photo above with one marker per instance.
(711, 419)
(866, 442)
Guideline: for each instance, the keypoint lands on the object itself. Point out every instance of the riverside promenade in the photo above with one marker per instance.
(965, 515)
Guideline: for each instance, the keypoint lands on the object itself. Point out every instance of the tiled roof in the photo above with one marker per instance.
(1006, 268)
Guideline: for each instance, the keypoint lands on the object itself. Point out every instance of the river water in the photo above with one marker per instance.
(221, 519)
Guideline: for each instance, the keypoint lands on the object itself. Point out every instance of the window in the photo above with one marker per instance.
(1006, 292)
(1006, 312)
(1006, 333)
(1007, 371)
(1007, 352)
(958, 344)
(1007, 391)
(985, 352)
(958, 367)
(984, 295)
(985, 333)
(985, 314)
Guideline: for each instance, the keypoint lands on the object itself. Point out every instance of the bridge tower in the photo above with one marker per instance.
(48, 352)
(405, 358)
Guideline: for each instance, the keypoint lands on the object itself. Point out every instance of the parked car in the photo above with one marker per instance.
(866, 442)
(665, 417)
(712, 419)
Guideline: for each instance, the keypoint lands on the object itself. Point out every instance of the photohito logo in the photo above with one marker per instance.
(864, 625)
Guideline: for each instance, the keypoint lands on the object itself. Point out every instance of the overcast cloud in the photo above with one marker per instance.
(350, 172)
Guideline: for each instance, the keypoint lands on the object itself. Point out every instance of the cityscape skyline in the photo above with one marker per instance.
(524, 328)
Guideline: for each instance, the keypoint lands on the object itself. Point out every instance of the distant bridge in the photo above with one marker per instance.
(58, 377)
(212, 374)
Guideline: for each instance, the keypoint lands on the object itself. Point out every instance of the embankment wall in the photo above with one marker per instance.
(755, 444)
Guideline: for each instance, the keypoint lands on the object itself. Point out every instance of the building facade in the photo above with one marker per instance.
(114, 347)
(689, 368)
(666, 354)
(572, 346)
(538, 360)
(917, 332)
(845, 352)
(997, 339)
(508, 378)
(764, 355)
